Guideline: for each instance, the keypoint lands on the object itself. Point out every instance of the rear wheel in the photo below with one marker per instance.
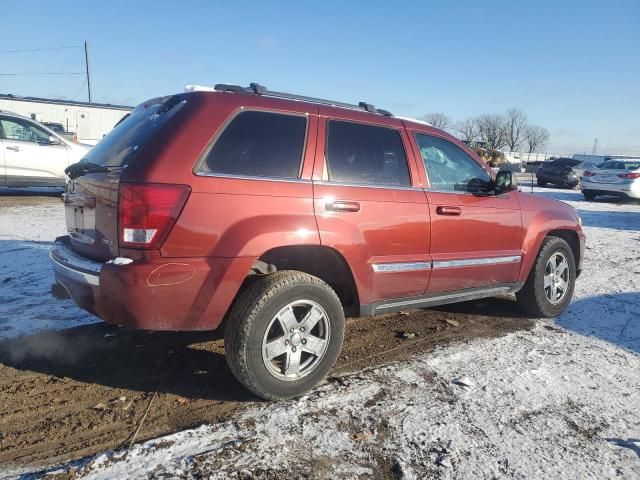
(588, 195)
(284, 334)
(541, 183)
(549, 287)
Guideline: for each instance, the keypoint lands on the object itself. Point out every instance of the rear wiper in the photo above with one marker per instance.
(81, 168)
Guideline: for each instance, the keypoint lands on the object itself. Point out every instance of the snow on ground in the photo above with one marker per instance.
(28, 227)
(547, 403)
(541, 404)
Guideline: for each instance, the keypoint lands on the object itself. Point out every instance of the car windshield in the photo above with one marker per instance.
(56, 127)
(120, 145)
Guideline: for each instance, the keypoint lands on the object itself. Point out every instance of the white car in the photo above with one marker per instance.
(620, 177)
(31, 155)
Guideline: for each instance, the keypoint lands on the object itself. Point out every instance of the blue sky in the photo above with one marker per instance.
(573, 66)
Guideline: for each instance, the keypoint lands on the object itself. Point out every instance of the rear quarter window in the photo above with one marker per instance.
(258, 144)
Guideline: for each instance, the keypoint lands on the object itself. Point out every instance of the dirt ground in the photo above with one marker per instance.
(76, 392)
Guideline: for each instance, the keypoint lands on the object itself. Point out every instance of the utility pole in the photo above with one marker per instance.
(86, 63)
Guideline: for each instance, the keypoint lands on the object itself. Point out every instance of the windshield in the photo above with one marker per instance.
(119, 147)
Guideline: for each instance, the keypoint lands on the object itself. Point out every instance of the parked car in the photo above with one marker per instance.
(619, 178)
(60, 130)
(563, 172)
(32, 155)
(282, 214)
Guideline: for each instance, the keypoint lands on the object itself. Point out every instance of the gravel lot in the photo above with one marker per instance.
(492, 397)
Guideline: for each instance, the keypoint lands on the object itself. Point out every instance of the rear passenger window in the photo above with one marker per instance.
(259, 144)
(367, 154)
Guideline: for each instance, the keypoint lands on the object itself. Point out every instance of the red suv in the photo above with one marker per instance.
(279, 215)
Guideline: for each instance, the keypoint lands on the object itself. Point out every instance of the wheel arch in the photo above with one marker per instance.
(320, 261)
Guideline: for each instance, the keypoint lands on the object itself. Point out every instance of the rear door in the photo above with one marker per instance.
(369, 205)
(476, 237)
(30, 159)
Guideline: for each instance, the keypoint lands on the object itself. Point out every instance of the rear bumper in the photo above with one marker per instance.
(162, 294)
(628, 189)
(557, 179)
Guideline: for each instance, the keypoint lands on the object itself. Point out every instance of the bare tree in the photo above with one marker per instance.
(467, 130)
(438, 119)
(515, 125)
(491, 130)
(535, 137)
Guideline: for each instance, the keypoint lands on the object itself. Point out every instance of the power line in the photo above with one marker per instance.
(40, 49)
(40, 73)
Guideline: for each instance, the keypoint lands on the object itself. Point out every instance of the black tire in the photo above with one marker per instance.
(588, 195)
(532, 298)
(253, 313)
(541, 183)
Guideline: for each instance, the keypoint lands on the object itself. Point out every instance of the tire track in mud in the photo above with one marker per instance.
(77, 392)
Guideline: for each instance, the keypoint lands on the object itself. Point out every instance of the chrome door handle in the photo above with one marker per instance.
(448, 210)
(14, 149)
(342, 206)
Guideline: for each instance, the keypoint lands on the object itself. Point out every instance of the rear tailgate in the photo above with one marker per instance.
(607, 176)
(91, 209)
(91, 199)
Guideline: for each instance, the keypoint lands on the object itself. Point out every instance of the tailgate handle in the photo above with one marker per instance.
(342, 206)
(448, 210)
(78, 200)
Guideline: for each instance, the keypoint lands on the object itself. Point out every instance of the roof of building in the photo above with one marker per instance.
(57, 101)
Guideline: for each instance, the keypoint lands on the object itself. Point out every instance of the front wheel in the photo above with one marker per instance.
(549, 287)
(284, 334)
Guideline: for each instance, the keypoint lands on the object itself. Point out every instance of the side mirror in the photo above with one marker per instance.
(506, 181)
(50, 141)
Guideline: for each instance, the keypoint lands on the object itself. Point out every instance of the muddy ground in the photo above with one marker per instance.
(76, 392)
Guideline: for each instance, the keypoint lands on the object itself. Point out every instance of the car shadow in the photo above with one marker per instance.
(31, 192)
(623, 220)
(610, 317)
(186, 364)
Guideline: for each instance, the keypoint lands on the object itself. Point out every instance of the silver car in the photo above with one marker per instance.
(620, 177)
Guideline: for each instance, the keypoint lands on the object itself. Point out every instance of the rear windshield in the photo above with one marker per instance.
(119, 147)
(569, 162)
(619, 165)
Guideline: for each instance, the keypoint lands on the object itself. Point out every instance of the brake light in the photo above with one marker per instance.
(588, 174)
(146, 212)
(630, 176)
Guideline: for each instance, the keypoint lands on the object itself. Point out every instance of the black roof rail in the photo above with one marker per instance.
(257, 89)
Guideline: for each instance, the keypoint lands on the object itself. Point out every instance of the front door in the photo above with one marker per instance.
(30, 158)
(476, 237)
(369, 206)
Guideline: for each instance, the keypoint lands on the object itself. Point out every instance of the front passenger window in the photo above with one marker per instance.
(22, 130)
(449, 168)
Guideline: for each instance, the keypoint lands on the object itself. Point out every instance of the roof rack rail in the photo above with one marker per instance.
(257, 89)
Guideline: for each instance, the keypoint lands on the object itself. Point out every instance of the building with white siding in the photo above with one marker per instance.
(90, 121)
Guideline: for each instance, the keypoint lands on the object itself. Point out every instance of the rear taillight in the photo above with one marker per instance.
(146, 212)
(588, 174)
(630, 176)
